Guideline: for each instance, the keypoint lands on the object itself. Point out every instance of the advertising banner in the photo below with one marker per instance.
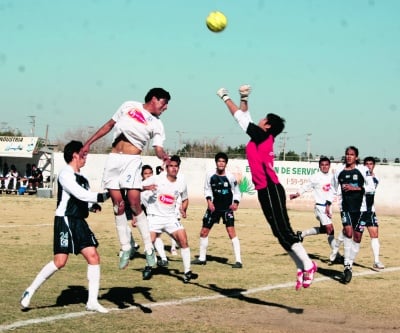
(17, 146)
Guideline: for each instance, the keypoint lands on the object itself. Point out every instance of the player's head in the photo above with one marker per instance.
(147, 171)
(175, 158)
(324, 164)
(276, 123)
(369, 159)
(70, 149)
(351, 155)
(156, 101)
(221, 155)
(158, 93)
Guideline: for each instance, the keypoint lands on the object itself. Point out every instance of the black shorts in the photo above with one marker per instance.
(370, 219)
(210, 218)
(72, 235)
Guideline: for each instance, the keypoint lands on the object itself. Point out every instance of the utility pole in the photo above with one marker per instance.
(284, 146)
(33, 123)
(180, 133)
(308, 146)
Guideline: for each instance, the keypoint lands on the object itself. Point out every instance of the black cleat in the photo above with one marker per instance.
(199, 262)
(189, 276)
(147, 273)
(162, 263)
(299, 236)
(347, 274)
(237, 264)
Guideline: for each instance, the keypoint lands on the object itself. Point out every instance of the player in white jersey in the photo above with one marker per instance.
(166, 189)
(351, 182)
(370, 216)
(320, 183)
(134, 124)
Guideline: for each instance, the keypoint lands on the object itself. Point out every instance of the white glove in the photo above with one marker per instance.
(244, 92)
(223, 94)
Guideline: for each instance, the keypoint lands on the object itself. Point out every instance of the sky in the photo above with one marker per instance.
(330, 68)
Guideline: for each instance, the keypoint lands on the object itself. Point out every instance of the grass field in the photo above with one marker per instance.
(258, 298)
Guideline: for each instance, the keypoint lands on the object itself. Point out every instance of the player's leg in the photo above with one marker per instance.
(93, 275)
(229, 221)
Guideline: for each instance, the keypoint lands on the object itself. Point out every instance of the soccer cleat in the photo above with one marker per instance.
(199, 262)
(189, 276)
(147, 273)
(299, 279)
(223, 94)
(237, 264)
(134, 249)
(378, 265)
(97, 307)
(25, 299)
(308, 276)
(151, 258)
(244, 91)
(162, 263)
(347, 274)
(124, 258)
(299, 236)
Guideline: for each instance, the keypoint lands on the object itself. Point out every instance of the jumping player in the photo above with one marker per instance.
(271, 194)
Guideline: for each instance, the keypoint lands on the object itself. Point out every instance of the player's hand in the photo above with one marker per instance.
(95, 208)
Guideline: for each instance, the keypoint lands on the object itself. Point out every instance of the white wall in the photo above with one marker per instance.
(291, 174)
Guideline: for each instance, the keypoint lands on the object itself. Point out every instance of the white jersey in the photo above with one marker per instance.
(164, 200)
(138, 125)
(321, 184)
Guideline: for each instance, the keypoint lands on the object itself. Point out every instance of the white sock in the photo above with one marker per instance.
(185, 253)
(310, 232)
(355, 248)
(296, 260)
(347, 244)
(203, 248)
(123, 231)
(375, 248)
(301, 253)
(159, 245)
(236, 248)
(46, 272)
(173, 244)
(143, 225)
(93, 276)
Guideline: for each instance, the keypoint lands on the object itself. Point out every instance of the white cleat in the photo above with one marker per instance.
(26, 299)
(97, 307)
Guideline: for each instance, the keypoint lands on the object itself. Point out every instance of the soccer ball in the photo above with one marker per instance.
(216, 21)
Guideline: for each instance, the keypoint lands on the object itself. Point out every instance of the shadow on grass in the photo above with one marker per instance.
(238, 293)
(121, 297)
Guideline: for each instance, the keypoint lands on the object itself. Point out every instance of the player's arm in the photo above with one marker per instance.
(102, 131)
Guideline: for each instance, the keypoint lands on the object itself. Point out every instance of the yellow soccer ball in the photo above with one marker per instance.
(216, 21)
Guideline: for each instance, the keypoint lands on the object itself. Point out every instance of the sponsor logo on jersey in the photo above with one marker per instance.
(137, 115)
(166, 199)
(326, 187)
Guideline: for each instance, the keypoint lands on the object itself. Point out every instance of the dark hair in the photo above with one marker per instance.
(157, 93)
(146, 167)
(277, 124)
(369, 159)
(176, 158)
(159, 169)
(221, 155)
(351, 148)
(71, 148)
(324, 159)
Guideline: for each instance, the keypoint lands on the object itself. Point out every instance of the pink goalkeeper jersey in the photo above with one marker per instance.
(259, 151)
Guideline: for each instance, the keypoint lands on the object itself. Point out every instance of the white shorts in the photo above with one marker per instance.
(168, 224)
(321, 216)
(122, 171)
